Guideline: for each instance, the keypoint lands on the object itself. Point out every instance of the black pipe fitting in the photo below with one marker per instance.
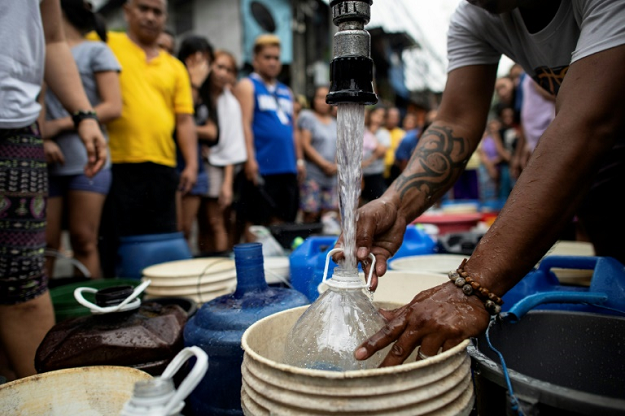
(351, 81)
(351, 70)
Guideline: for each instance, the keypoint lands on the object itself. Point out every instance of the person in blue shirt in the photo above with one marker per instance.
(270, 191)
(405, 148)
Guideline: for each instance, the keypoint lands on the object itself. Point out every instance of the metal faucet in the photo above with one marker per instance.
(351, 69)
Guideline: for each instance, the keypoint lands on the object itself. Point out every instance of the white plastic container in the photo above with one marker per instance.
(440, 385)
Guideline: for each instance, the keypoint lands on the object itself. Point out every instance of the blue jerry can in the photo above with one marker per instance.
(217, 328)
(308, 260)
(541, 289)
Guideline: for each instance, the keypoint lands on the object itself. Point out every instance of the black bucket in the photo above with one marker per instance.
(559, 363)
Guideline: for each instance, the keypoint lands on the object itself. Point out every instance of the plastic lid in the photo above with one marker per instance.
(112, 296)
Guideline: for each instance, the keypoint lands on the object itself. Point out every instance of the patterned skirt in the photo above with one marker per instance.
(23, 192)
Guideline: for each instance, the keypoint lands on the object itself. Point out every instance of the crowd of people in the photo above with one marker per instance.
(193, 147)
(196, 149)
(192, 142)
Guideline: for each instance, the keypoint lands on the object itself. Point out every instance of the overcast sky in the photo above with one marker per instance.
(427, 22)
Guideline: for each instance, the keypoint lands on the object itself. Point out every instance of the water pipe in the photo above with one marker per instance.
(351, 69)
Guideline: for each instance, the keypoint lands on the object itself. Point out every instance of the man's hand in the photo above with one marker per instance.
(225, 197)
(198, 68)
(251, 170)
(329, 169)
(91, 136)
(519, 160)
(53, 152)
(441, 317)
(188, 177)
(381, 232)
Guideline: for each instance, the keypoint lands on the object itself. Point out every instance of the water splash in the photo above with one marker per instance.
(350, 131)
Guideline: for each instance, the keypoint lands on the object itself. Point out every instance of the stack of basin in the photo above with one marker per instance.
(440, 385)
(201, 279)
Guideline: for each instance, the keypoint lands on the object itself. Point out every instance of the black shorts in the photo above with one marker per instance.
(277, 198)
(143, 196)
(601, 212)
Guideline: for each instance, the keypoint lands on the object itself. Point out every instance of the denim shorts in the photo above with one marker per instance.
(60, 185)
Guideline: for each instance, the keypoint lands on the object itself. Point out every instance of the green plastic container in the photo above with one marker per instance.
(66, 306)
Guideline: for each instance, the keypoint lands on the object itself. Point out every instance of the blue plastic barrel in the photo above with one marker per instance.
(136, 252)
(308, 260)
(217, 328)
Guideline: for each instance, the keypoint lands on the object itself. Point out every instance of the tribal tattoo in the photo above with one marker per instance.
(434, 162)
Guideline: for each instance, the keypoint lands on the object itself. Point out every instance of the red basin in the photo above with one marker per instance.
(450, 223)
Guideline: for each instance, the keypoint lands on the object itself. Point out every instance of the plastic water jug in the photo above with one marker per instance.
(120, 331)
(158, 396)
(343, 317)
(217, 328)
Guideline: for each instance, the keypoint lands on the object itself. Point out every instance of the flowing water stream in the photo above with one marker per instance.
(350, 131)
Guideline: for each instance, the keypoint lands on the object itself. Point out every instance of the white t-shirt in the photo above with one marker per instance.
(230, 150)
(580, 28)
(21, 62)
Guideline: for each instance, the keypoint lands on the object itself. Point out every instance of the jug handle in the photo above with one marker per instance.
(123, 306)
(339, 249)
(193, 378)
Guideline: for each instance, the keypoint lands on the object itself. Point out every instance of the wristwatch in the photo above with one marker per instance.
(80, 115)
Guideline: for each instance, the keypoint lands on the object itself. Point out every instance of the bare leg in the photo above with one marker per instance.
(247, 234)
(217, 224)
(179, 210)
(6, 369)
(85, 211)
(204, 239)
(190, 205)
(231, 227)
(23, 327)
(53, 230)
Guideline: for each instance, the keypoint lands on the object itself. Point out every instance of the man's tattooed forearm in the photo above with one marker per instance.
(434, 162)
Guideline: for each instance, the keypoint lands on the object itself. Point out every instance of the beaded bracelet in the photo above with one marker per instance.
(469, 286)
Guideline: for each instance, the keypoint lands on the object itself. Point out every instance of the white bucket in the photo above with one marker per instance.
(440, 385)
(399, 287)
(89, 391)
(428, 263)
